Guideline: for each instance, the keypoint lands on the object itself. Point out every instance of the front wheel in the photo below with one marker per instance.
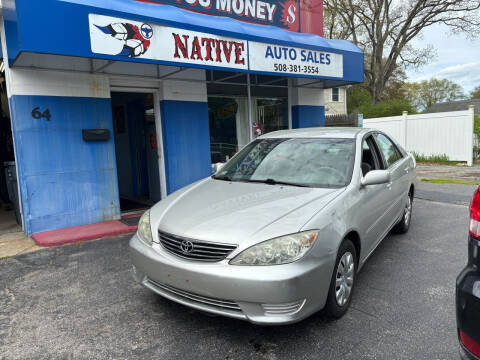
(404, 223)
(343, 281)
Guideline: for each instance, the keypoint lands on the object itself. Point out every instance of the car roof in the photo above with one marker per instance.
(317, 132)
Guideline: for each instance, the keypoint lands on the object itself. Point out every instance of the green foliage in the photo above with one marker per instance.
(440, 159)
(426, 93)
(357, 96)
(385, 108)
(360, 100)
(476, 130)
(450, 181)
(475, 94)
(476, 125)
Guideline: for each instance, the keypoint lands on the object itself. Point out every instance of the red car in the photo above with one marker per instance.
(468, 289)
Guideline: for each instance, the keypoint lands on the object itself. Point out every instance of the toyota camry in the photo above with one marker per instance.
(281, 230)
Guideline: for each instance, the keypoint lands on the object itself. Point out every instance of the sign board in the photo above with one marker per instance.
(173, 46)
(295, 15)
(360, 120)
(292, 60)
(114, 36)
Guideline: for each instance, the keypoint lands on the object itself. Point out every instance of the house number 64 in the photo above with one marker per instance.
(37, 114)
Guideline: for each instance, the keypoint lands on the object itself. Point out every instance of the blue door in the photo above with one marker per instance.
(136, 150)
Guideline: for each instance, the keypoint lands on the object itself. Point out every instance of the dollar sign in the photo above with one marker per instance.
(291, 14)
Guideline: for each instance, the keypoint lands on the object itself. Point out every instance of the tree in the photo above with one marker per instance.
(475, 94)
(384, 30)
(476, 125)
(426, 93)
(357, 96)
(394, 87)
(386, 108)
(359, 100)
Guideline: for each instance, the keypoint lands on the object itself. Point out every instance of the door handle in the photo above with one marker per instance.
(407, 169)
(389, 185)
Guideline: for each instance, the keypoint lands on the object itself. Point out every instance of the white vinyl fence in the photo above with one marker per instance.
(449, 133)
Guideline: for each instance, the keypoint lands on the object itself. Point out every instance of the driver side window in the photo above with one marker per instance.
(369, 156)
(389, 151)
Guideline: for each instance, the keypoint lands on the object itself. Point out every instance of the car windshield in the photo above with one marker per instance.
(309, 162)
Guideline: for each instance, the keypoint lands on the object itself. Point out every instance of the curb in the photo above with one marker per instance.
(82, 233)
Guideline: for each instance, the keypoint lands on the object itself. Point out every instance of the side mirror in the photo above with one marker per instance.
(375, 177)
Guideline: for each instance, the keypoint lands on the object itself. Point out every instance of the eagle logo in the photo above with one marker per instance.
(136, 40)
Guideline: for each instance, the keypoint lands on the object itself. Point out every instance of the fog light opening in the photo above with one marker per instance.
(283, 309)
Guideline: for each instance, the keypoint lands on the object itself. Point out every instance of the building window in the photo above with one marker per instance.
(229, 126)
(335, 94)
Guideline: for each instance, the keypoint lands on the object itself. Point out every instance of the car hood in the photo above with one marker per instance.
(238, 212)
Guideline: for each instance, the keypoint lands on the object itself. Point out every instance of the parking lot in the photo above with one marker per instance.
(80, 302)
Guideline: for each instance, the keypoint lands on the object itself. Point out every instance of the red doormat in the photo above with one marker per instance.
(82, 233)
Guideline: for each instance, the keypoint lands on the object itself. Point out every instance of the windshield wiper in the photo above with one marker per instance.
(224, 178)
(270, 181)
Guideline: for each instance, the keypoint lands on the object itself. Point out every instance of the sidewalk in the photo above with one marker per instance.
(13, 240)
(85, 232)
(16, 243)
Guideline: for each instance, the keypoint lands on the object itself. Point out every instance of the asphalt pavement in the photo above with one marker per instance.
(80, 302)
(447, 193)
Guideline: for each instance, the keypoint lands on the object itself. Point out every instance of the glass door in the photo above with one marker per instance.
(271, 115)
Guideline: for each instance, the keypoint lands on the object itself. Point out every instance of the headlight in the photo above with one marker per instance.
(281, 250)
(144, 231)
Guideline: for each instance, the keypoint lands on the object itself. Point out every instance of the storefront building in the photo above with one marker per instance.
(116, 104)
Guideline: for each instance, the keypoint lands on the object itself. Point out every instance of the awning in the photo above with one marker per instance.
(139, 31)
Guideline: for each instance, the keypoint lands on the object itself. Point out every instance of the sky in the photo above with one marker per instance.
(458, 58)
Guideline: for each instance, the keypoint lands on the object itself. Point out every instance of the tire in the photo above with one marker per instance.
(337, 306)
(404, 223)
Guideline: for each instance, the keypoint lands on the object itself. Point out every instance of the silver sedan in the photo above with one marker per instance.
(281, 230)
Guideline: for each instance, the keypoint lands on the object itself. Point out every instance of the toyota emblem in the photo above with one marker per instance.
(186, 246)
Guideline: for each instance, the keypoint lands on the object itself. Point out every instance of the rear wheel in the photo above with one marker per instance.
(343, 281)
(404, 223)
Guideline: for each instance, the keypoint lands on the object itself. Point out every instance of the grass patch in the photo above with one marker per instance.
(450, 181)
(442, 159)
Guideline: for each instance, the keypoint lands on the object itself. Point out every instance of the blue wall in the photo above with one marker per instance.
(186, 142)
(65, 181)
(304, 116)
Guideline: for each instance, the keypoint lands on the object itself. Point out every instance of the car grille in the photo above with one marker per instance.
(195, 249)
(195, 298)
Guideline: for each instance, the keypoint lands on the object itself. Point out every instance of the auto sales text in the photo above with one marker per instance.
(292, 54)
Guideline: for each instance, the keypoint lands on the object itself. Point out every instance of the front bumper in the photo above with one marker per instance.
(279, 294)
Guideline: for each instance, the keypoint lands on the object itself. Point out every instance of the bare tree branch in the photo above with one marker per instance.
(384, 29)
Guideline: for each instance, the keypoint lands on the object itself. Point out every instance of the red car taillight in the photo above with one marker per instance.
(470, 344)
(475, 215)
